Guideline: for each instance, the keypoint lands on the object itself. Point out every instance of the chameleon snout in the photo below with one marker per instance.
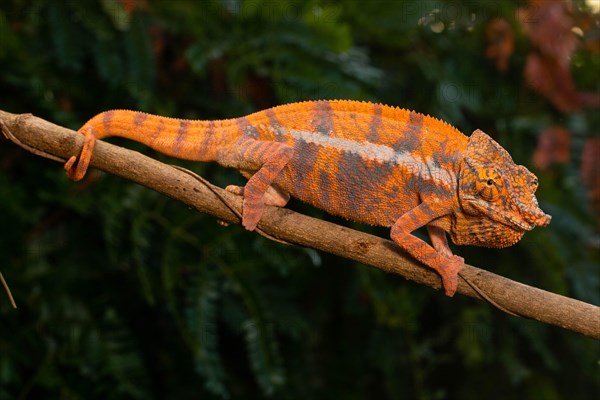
(543, 220)
(537, 218)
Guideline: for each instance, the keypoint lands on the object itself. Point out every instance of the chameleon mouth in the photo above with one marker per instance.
(529, 219)
(517, 224)
(513, 222)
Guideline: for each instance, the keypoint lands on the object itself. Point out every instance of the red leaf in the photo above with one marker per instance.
(590, 173)
(554, 146)
(552, 80)
(549, 24)
(501, 42)
(131, 5)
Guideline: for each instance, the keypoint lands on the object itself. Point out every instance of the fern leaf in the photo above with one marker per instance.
(201, 319)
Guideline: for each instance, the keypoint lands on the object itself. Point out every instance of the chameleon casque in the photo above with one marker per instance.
(366, 162)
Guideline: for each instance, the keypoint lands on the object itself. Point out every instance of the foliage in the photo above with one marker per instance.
(123, 293)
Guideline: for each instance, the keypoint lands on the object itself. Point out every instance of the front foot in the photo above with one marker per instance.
(449, 272)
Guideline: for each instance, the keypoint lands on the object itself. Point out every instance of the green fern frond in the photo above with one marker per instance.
(66, 36)
(108, 62)
(141, 70)
(201, 323)
(140, 246)
(120, 358)
(262, 346)
(264, 356)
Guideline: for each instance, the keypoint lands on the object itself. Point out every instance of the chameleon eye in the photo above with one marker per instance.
(489, 193)
(489, 184)
(533, 183)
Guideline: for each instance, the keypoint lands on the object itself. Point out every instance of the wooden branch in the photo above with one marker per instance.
(45, 138)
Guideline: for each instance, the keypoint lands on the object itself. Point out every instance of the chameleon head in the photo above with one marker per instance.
(496, 200)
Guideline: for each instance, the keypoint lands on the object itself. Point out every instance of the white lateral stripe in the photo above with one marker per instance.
(370, 151)
(367, 150)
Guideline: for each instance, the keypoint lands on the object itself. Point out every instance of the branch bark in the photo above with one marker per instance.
(42, 137)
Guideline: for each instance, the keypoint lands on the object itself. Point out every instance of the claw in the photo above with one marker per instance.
(449, 274)
(237, 190)
(252, 211)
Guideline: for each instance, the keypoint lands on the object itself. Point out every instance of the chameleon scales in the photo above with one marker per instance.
(366, 162)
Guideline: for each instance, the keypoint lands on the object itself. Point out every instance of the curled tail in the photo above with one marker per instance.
(182, 138)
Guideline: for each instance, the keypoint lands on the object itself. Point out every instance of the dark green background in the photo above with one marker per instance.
(123, 293)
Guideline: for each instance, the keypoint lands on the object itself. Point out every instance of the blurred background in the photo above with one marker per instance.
(126, 294)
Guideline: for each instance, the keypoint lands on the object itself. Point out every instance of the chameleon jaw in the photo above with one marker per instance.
(496, 215)
(478, 230)
(532, 218)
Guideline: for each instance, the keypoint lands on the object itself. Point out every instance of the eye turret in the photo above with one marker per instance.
(534, 185)
(489, 184)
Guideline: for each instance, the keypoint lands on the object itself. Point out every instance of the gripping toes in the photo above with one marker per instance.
(252, 211)
(237, 190)
(267, 159)
(449, 272)
(254, 205)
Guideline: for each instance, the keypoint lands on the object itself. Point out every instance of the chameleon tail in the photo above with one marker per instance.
(182, 138)
(76, 170)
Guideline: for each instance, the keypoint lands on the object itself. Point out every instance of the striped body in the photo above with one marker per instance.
(366, 162)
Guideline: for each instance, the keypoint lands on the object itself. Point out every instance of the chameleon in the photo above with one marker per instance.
(371, 163)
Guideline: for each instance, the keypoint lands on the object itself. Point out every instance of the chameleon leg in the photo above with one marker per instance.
(439, 240)
(267, 159)
(446, 267)
(76, 169)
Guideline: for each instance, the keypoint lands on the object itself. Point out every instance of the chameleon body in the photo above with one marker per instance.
(366, 162)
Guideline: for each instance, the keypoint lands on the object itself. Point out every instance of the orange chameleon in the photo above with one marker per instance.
(366, 162)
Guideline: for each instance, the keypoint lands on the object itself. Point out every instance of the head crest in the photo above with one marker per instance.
(482, 149)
